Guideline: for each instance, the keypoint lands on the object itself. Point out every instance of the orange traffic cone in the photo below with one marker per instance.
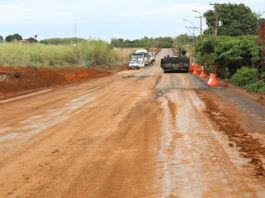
(195, 70)
(203, 75)
(191, 67)
(213, 81)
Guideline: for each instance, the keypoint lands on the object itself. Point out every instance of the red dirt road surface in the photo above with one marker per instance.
(129, 135)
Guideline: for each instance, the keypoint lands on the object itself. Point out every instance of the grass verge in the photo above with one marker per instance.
(84, 54)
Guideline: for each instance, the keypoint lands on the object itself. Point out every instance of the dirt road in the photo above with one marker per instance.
(134, 134)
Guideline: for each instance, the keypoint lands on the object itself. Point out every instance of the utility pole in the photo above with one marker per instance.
(193, 39)
(216, 17)
(200, 17)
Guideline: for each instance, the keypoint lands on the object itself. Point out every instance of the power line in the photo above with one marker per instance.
(194, 28)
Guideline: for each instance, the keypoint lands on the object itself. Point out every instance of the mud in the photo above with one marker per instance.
(250, 147)
(136, 133)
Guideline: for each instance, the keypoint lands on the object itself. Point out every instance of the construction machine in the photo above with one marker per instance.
(179, 63)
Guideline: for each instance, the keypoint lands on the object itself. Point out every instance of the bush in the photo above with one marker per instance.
(229, 53)
(245, 76)
(258, 86)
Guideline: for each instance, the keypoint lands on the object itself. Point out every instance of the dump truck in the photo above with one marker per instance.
(178, 63)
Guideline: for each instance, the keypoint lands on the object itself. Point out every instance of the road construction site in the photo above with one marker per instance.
(136, 133)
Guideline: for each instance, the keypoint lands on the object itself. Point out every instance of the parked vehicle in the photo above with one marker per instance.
(139, 59)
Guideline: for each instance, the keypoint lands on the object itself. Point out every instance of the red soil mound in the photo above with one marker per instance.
(18, 80)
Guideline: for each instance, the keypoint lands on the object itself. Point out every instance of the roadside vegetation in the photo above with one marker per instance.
(235, 59)
(237, 53)
(84, 54)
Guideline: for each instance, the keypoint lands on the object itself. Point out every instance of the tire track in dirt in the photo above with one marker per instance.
(106, 128)
(250, 147)
(145, 134)
(193, 160)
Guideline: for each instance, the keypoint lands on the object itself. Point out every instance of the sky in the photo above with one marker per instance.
(105, 19)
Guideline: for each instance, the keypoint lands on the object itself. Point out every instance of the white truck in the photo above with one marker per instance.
(139, 59)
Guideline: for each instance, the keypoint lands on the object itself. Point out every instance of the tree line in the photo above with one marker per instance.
(17, 37)
(54, 41)
(146, 42)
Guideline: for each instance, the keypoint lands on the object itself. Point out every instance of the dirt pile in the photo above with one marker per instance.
(251, 147)
(18, 80)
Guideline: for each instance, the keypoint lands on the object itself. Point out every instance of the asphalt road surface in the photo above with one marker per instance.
(138, 133)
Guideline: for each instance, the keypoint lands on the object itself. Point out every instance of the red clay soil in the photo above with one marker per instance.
(231, 122)
(19, 80)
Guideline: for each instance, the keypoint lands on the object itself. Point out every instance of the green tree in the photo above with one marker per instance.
(261, 41)
(230, 53)
(165, 42)
(32, 40)
(161, 42)
(116, 42)
(1, 39)
(238, 20)
(183, 39)
(14, 37)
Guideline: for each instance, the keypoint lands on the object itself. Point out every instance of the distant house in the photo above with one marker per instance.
(23, 41)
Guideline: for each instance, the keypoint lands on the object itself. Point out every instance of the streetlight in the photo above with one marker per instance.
(189, 21)
(200, 17)
(193, 39)
(194, 28)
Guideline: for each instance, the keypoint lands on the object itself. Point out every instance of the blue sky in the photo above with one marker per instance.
(104, 19)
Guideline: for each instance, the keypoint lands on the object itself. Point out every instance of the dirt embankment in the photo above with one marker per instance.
(19, 80)
(226, 119)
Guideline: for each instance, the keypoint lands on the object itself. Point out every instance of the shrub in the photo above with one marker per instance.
(245, 76)
(229, 53)
(258, 86)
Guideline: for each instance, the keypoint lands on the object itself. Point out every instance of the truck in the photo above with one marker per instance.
(140, 58)
(178, 63)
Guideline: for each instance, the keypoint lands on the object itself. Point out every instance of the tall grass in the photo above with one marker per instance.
(88, 53)
(124, 53)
